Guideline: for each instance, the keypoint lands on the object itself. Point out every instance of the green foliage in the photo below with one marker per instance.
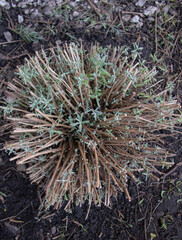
(28, 34)
(166, 220)
(174, 188)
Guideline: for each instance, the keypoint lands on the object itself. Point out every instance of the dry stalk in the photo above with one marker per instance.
(86, 122)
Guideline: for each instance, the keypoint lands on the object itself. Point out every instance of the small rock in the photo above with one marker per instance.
(139, 25)
(13, 5)
(118, 9)
(58, 42)
(59, 2)
(126, 17)
(47, 11)
(159, 4)
(3, 3)
(98, 26)
(53, 230)
(58, 16)
(22, 4)
(27, 11)
(124, 6)
(75, 14)
(52, 4)
(10, 98)
(20, 19)
(151, 19)
(73, 4)
(135, 19)
(21, 168)
(36, 14)
(141, 3)
(150, 11)
(8, 36)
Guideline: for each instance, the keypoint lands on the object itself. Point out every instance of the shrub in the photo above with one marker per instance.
(85, 122)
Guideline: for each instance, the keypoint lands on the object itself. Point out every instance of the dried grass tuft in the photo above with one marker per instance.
(85, 122)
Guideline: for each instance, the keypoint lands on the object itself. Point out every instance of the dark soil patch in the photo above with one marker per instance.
(155, 210)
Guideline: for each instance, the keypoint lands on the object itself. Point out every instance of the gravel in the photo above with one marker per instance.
(135, 19)
(4, 4)
(150, 11)
(136, 14)
(40, 9)
(141, 3)
(126, 17)
(76, 14)
(20, 19)
(8, 36)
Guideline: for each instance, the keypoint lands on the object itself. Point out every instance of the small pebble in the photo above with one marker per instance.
(73, 4)
(3, 3)
(36, 14)
(21, 168)
(53, 230)
(75, 14)
(151, 19)
(47, 11)
(10, 98)
(27, 11)
(126, 17)
(150, 11)
(139, 25)
(20, 19)
(58, 42)
(159, 4)
(8, 36)
(98, 26)
(59, 2)
(22, 4)
(13, 5)
(135, 19)
(52, 4)
(141, 3)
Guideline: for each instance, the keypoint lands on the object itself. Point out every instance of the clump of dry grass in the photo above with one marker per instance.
(83, 122)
